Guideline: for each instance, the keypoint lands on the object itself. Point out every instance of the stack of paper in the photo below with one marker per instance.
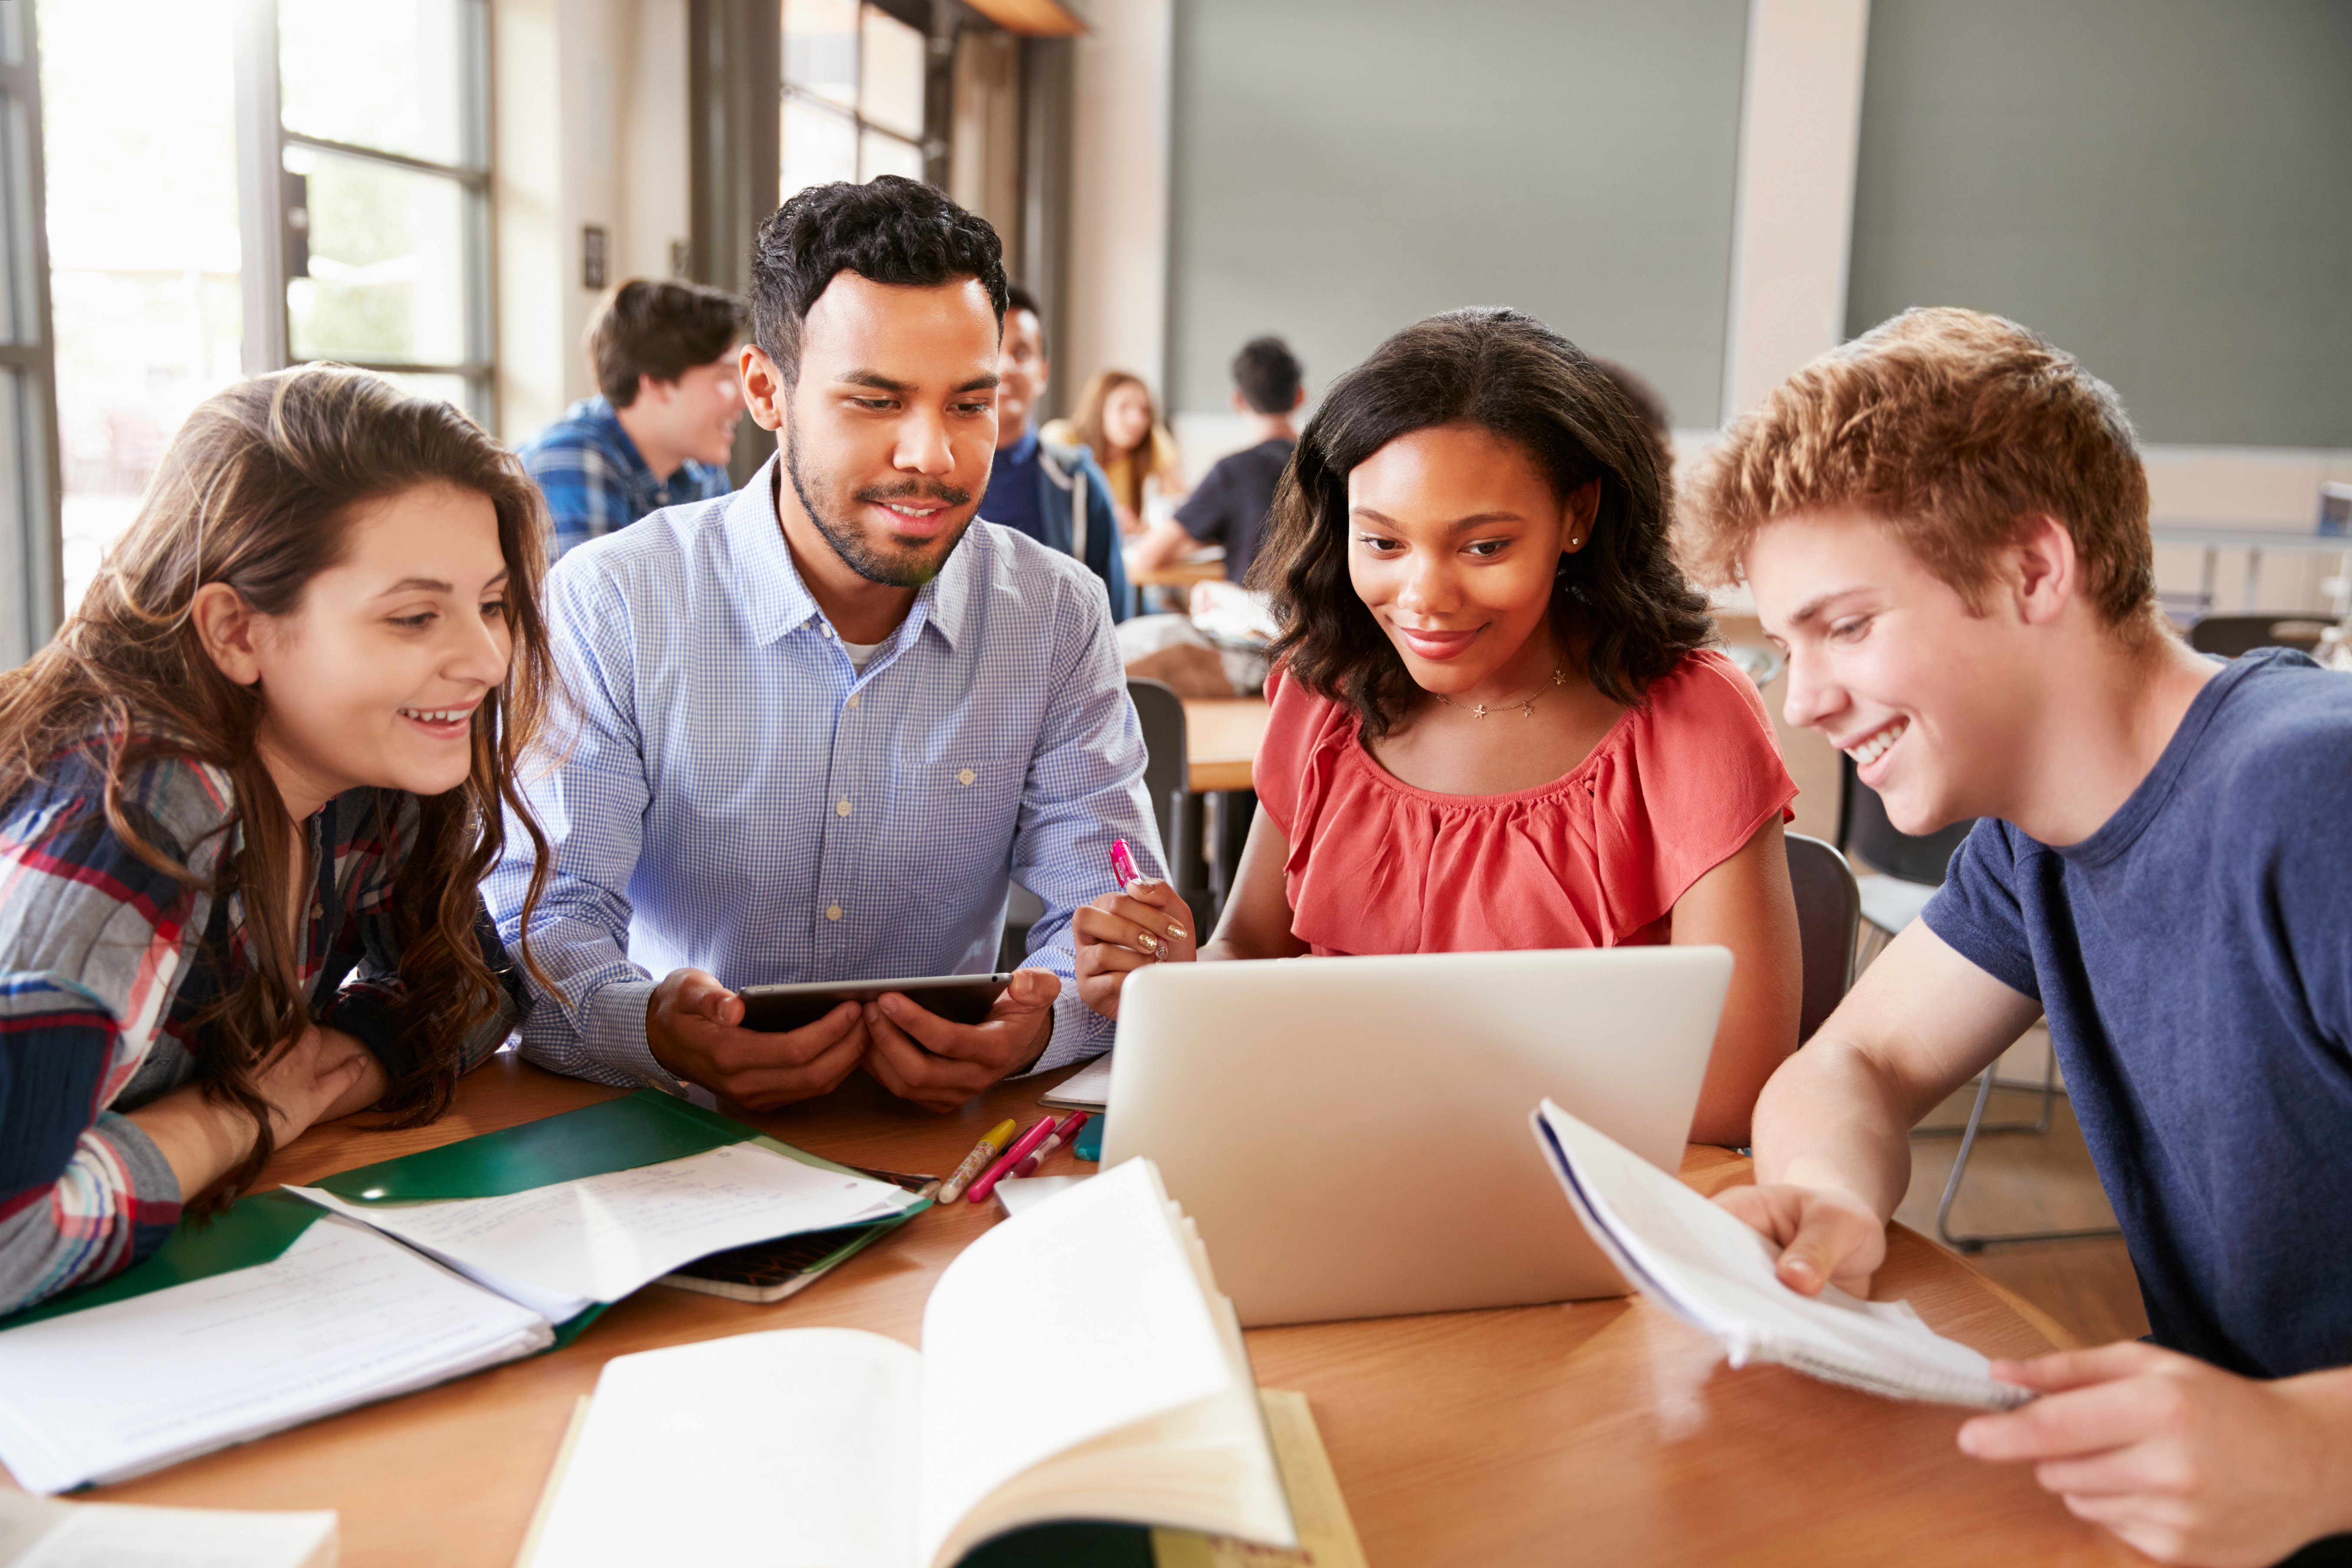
(342, 1317)
(1702, 1264)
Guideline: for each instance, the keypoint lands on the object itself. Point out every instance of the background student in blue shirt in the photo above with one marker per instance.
(1055, 494)
(823, 722)
(660, 431)
(1945, 523)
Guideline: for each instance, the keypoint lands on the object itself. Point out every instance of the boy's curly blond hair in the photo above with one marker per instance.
(1954, 429)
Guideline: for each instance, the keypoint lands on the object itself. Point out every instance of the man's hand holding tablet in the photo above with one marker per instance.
(939, 1064)
(978, 1028)
(694, 1027)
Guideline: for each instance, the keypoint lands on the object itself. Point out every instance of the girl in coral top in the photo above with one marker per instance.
(1494, 725)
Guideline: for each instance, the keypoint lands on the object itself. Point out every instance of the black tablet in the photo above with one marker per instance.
(963, 998)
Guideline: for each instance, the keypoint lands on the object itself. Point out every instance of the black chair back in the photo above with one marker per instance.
(1166, 772)
(1828, 917)
(2230, 635)
(1866, 833)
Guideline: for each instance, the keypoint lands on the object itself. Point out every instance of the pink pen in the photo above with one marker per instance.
(1122, 864)
(1060, 1135)
(1010, 1158)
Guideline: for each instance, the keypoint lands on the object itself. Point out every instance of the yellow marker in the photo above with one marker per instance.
(983, 1153)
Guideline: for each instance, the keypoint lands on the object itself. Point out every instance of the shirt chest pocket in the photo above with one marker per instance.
(958, 811)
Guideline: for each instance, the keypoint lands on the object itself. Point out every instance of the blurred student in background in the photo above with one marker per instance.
(1230, 506)
(1053, 493)
(1495, 726)
(1115, 422)
(660, 430)
(252, 787)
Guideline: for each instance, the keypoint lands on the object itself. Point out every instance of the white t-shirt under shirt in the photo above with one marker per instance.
(860, 653)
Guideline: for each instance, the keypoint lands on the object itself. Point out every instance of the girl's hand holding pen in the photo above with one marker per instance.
(1147, 921)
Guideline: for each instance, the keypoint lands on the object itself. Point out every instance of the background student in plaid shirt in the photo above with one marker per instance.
(251, 790)
(664, 354)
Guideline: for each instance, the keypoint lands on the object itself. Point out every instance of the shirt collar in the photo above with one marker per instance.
(773, 600)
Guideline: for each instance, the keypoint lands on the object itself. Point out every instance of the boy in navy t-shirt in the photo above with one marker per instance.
(1944, 524)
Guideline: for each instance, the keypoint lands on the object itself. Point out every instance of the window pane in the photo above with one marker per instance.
(820, 146)
(143, 251)
(387, 264)
(882, 154)
(891, 73)
(821, 50)
(387, 74)
(451, 389)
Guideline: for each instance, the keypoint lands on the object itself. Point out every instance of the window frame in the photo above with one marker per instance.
(791, 92)
(29, 616)
(268, 222)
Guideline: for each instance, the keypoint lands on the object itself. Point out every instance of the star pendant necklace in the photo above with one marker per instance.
(1527, 706)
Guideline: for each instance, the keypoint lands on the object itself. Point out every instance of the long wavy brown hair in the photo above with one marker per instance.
(1622, 597)
(258, 490)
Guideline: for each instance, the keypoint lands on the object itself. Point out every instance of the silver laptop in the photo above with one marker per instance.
(1351, 1134)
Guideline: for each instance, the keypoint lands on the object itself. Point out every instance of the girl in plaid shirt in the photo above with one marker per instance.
(250, 792)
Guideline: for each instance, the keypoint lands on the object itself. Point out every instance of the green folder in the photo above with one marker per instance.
(646, 1128)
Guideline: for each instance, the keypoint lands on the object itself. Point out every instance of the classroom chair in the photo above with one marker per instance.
(1167, 775)
(2230, 635)
(1828, 918)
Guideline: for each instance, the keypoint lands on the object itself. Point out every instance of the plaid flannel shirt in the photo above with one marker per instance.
(106, 961)
(595, 482)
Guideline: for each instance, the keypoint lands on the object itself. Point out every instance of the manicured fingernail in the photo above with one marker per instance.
(1138, 887)
(1159, 948)
(1176, 932)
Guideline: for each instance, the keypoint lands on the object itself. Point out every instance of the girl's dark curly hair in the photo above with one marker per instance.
(1623, 594)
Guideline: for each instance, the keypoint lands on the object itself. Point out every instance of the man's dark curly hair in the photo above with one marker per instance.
(1623, 594)
(890, 229)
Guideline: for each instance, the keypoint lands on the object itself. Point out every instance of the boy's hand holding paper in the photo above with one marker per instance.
(1714, 1272)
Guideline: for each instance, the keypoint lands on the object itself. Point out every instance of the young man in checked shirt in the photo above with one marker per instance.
(824, 720)
(660, 430)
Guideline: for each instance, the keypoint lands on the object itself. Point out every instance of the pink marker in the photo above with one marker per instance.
(1122, 864)
(1060, 1135)
(1004, 1167)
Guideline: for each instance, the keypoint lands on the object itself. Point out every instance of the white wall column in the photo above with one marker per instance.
(1117, 312)
(590, 128)
(1800, 121)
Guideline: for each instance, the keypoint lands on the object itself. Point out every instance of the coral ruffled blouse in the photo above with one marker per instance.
(1594, 859)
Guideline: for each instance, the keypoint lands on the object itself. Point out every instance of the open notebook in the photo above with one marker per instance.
(1701, 1263)
(840, 1446)
(429, 1267)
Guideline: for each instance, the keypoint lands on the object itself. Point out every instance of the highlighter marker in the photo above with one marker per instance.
(1010, 1158)
(986, 1150)
(1122, 864)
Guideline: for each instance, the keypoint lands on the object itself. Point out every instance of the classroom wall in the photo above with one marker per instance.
(2160, 187)
(591, 128)
(1341, 168)
(1115, 314)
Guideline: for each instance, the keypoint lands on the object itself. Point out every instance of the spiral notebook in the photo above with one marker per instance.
(1701, 1263)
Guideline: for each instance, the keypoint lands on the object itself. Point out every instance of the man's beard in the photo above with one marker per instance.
(910, 566)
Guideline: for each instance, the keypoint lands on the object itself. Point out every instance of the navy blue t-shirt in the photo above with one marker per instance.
(2194, 958)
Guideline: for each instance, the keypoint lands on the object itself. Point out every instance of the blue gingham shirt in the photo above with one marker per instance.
(739, 798)
(595, 480)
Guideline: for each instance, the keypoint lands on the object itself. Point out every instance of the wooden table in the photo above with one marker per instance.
(1179, 574)
(1220, 737)
(1601, 1432)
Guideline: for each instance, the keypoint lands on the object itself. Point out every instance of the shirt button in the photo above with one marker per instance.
(966, 777)
(841, 808)
(832, 911)
(852, 699)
